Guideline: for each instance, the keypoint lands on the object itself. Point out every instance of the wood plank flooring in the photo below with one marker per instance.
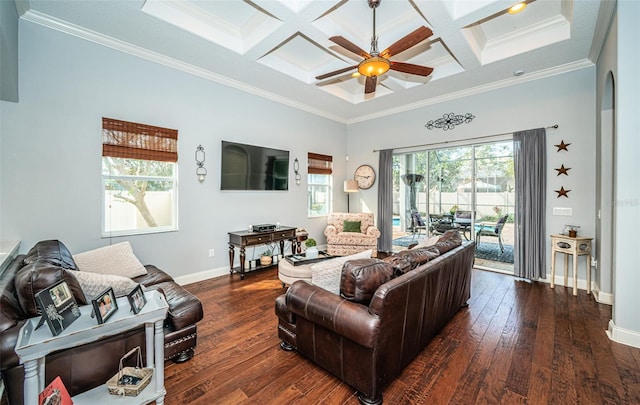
(517, 342)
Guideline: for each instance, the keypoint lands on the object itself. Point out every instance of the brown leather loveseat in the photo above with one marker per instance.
(84, 367)
(386, 313)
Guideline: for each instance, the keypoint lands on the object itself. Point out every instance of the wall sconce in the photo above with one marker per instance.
(201, 171)
(296, 170)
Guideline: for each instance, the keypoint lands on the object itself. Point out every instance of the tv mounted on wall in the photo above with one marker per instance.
(249, 167)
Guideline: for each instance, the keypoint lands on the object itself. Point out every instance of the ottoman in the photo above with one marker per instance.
(288, 273)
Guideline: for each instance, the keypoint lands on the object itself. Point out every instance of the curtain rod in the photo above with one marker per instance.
(554, 126)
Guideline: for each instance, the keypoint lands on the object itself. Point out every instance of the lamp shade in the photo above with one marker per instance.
(351, 186)
(374, 66)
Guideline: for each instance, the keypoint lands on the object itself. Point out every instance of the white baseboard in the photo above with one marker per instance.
(601, 297)
(202, 275)
(624, 336)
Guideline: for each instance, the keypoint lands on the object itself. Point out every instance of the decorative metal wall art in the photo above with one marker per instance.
(449, 121)
(296, 170)
(562, 146)
(563, 170)
(562, 192)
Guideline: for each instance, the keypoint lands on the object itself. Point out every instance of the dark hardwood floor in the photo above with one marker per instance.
(517, 342)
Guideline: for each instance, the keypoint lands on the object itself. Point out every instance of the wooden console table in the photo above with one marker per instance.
(242, 239)
(576, 247)
(34, 344)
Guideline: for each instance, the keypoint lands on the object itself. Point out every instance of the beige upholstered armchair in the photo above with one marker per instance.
(343, 243)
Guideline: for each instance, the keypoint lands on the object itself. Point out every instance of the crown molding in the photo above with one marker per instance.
(134, 50)
(605, 14)
(541, 74)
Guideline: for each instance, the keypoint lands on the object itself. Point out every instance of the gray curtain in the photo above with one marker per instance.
(530, 161)
(385, 200)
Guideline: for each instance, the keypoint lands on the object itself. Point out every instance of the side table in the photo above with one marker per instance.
(576, 247)
(33, 345)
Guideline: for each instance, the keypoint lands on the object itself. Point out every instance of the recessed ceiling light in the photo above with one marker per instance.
(518, 72)
(515, 9)
(355, 74)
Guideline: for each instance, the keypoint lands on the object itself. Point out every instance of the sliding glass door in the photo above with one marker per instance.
(469, 188)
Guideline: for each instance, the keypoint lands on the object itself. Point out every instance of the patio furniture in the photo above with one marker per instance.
(440, 223)
(463, 220)
(491, 229)
(417, 224)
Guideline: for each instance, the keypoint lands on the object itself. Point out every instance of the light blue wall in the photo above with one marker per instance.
(626, 317)
(51, 150)
(567, 100)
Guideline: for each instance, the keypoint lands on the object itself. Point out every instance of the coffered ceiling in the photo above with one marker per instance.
(276, 48)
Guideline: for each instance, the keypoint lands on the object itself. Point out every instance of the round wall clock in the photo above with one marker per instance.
(365, 176)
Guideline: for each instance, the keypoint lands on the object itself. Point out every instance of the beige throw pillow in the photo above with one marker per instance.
(93, 284)
(430, 241)
(116, 260)
(326, 274)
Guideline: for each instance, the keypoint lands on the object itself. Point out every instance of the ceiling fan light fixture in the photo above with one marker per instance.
(374, 66)
(517, 8)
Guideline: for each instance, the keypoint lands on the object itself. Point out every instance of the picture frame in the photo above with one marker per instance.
(58, 307)
(105, 305)
(137, 300)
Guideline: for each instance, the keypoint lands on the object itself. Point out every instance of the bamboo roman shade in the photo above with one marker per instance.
(131, 140)
(319, 164)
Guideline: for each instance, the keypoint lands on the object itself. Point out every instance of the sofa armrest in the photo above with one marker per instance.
(373, 231)
(332, 312)
(330, 230)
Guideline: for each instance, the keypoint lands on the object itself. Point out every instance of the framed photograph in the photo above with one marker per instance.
(105, 305)
(137, 300)
(58, 307)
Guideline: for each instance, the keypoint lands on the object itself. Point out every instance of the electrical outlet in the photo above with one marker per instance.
(212, 253)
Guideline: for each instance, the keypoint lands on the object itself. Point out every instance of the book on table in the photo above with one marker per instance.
(55, 394)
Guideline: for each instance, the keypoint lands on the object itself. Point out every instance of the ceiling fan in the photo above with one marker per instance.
(377, 63)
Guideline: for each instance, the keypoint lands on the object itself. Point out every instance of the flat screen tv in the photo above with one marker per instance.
(249, 167)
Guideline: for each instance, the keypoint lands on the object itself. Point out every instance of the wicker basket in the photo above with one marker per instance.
(117, 387)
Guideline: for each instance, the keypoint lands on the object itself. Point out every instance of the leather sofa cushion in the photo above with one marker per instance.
(53, 252)
(449, 240)
(419, 256)
(10, 310)
(154, 276)
(35, 277)
(400, 264)
(184, 308)
(362, 277)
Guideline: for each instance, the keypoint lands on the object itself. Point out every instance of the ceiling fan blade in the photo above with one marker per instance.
(336, 72)
(370, 84)
(407, 42)
(411, 68)
(350, 46)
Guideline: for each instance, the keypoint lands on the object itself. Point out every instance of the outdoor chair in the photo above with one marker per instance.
(491, 229)
(417, 224)
(463, 220)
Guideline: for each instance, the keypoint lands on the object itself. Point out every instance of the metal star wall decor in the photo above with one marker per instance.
(449, 121)
(563, 170)
(562, 192)
(562, 146)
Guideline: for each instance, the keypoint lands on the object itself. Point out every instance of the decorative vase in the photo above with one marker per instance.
(266, 260)
(312, 252)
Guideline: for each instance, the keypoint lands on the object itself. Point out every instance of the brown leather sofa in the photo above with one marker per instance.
(386, 313)
(84, 367)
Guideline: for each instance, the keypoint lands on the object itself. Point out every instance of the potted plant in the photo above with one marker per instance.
(266, 257)
(312, 250)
